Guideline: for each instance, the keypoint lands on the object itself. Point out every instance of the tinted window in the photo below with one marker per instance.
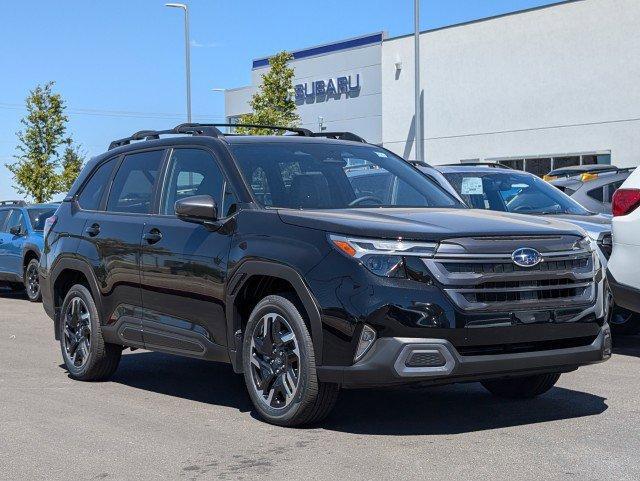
(193, 172)
(597, 194)
(132, 188)
(89, 198)
(303, 175)
(512, 192)
(3, 217)
(612, 188)
(15, 219)
(39, 216)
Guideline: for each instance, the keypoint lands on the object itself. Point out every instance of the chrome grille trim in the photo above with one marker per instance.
(563, 278)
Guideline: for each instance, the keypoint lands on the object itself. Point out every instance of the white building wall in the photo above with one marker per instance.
(359, 113)
(562, 79)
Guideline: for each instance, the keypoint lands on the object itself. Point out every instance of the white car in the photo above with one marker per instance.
(623, 272)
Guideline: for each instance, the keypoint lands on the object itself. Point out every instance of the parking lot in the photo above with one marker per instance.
(165, 417)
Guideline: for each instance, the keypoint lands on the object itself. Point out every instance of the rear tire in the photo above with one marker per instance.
(32, 281)
(280, 370)
(522, 387)
(86, 355)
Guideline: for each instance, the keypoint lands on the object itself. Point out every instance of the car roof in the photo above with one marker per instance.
(603, 179)
(582, 168)
(299, 139)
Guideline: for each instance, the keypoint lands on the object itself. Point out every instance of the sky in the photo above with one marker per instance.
(119, 64)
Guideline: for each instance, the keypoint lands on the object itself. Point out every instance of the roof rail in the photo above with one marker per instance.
(340, 136)
(211, 130)
(12, 202)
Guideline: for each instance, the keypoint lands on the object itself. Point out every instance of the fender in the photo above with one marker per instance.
(274, 269)
(66, 262)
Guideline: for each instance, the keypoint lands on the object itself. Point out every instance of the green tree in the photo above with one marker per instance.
(72, 161)
(273, 103)
(39, 172)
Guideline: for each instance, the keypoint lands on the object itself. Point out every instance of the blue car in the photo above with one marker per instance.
(21, 242)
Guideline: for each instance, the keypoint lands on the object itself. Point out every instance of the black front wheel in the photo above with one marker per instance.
(525, 387)
(32, 281)
(279, 366)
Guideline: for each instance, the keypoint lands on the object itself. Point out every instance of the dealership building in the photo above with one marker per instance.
(535, 89)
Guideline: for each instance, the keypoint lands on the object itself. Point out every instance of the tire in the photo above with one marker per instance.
(522, 387)
(98, 360)
(624, 322)
(32, 281)
(292, 397)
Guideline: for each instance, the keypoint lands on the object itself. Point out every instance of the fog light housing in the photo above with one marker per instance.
(367, 338)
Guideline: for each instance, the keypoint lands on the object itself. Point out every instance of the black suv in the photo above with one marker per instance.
(265, 252)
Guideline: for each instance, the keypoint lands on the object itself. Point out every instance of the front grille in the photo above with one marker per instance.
(425, 359)
(524, 290)
(502, 267)
(525, 346)
(483, 282)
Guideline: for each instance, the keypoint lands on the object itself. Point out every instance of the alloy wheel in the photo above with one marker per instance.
(77, 332)
(275, 361)
(33, 282)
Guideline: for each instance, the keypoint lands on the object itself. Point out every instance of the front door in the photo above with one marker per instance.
(13, 242)
(184, 265)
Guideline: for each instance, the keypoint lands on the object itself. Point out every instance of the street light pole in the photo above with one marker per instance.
(187, 52)
(418, 109)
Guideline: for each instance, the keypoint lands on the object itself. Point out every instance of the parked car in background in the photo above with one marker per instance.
(495, 187)
(623, 270)
(591, 186)
(267, 253)
(21, 243)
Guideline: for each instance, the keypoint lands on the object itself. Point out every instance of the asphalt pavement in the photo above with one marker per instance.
(165, 417)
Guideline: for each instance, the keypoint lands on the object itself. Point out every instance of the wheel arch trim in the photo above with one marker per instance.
(239, 278)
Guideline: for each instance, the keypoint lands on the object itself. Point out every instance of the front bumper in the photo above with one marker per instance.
(391, 361)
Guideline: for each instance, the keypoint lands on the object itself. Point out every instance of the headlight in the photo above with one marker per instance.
(380, 256)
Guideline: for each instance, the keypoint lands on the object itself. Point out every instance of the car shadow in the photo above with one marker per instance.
(627, 345)
(10, 294)
(453, 409)
(408, 411)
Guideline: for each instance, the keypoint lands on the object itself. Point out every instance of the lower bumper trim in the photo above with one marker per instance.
(386, 362)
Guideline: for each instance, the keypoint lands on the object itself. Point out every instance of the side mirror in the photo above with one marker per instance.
(200, 209)
(16, 230)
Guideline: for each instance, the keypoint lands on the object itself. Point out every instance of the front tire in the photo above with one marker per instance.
(280, 368)
(86, 355)
(32, 281)
(526, 387)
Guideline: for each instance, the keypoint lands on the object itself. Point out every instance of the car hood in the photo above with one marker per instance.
(425, 224)
(593, 224)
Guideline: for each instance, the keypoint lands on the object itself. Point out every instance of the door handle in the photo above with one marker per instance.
(93, 231)
(153, 236)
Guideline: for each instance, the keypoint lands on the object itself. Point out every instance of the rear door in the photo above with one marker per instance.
(184, 265)
(112, 235)
(4, 237)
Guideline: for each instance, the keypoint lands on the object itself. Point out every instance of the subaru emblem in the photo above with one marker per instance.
(526, 257)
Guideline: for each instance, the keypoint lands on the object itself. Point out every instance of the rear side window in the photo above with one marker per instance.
(3, 218)
(133, 186)
(596, 194)
(612, 188)
(89, 198)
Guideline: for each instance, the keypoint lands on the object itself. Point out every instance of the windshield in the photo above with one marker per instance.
(512, 192)
(303, 175)
(38, 216)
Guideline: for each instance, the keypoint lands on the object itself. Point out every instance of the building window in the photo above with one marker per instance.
(543, 164)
